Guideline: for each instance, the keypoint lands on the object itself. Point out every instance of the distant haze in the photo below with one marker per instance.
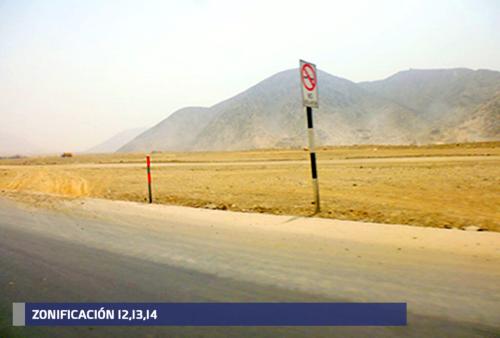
(115, 142)
(75, 73)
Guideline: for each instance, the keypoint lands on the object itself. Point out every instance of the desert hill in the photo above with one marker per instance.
(415, 106)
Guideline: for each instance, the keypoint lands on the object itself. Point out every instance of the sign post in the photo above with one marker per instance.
(148, 168)
(309, 84)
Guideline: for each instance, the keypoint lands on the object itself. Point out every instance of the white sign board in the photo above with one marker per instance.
(309, 84)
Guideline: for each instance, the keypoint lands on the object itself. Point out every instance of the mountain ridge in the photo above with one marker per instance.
(412, 106)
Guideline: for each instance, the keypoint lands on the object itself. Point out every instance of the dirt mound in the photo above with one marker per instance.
(44, 181)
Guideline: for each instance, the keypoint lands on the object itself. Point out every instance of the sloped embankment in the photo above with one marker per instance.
(51, 182)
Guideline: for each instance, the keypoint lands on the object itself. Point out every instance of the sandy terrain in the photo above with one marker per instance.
(327, 153)
(441, 186)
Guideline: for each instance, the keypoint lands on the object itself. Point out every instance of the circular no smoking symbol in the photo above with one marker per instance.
(308, 77)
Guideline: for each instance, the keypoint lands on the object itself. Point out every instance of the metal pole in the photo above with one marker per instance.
(148, 163)
(312, 154)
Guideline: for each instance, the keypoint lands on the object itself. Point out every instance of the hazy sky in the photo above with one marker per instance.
(73, 73)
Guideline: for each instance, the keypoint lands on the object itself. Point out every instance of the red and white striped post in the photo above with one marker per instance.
(148, 164)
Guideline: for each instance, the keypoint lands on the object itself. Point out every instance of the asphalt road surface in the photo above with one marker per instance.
(102, 251)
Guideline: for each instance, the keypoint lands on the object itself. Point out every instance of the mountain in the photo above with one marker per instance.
(270, 114)
(415, 106)
(114, 143)
(482, 125)
(177, 132)
(444, 98)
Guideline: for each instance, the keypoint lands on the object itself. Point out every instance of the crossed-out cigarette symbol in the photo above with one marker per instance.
(308, 77)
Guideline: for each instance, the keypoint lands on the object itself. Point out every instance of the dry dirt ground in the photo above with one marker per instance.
(439, 186)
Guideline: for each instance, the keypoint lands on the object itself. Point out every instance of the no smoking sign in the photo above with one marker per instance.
(309, 84)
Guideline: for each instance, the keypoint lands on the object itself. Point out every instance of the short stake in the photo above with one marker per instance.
(312, 155)
(148, 164)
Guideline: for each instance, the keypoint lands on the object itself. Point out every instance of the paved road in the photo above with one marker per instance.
(78, 256)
